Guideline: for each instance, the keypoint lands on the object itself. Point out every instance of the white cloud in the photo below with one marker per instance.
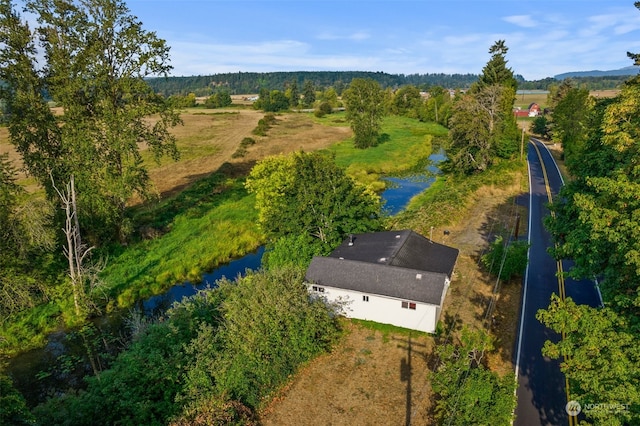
(356, 36)
(525, 21)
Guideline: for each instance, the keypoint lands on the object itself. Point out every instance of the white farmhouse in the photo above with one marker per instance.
(393, 277)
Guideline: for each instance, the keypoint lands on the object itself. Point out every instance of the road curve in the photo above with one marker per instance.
(542, 391)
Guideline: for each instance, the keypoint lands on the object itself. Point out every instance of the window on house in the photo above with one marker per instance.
(365, 298)
(408, 305)
(318, 289)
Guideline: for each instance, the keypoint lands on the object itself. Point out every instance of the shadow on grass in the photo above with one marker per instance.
(383, 138)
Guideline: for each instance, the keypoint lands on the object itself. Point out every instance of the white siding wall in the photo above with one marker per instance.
(382, 309)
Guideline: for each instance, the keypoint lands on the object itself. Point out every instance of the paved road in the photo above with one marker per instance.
(542, 392)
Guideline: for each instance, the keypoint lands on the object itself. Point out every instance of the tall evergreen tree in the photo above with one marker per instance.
(483, 126)
(293, 94)
(308, 94)
(496, 72)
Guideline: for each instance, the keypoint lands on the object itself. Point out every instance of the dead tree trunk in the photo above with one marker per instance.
(75, 251)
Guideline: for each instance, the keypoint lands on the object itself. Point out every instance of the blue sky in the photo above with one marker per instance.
(402, 36)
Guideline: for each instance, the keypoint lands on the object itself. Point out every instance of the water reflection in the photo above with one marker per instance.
(403, 189)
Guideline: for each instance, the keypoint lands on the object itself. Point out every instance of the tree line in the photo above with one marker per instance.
(253, 82)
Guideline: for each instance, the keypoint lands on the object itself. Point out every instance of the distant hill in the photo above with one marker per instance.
(626, 71)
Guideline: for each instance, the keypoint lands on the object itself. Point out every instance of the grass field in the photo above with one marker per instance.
(523, 101)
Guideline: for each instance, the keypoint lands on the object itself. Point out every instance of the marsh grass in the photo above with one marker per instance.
(205, 226)
(405, 147)
(449, 197)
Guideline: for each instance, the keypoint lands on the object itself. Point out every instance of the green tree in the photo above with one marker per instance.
(468, 393)
(571, 122)
(496, 72)
(540, 126)
(26, 238)
(293, 94)
(270, 328)
(470, 149)
(596, 222)
(271, 101)
(180, 101)
(600, 357)
(306, 193)
(483, 127)
(438, 107)
(330, 96)
(96, 59)
(308, 94)
(14, 408)
(364, 102)
(407, 101)
(506, 260)
(218, 100)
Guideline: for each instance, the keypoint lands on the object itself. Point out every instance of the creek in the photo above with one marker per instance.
(70, 355)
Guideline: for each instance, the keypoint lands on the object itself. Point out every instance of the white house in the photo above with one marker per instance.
(393, 277)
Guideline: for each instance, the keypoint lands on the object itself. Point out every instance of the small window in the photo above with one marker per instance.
(321, 289)
(318, 289)
(409, 305)
(314, 288)
(365, 298)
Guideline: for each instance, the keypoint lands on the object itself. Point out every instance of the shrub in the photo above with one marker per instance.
(323, 109)
(506, 262)
(247, 142)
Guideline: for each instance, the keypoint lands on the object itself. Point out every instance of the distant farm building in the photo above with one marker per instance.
(393, 277)
(532, 111)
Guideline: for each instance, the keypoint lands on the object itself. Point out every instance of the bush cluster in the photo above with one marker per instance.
(242, 149)
(214, 360)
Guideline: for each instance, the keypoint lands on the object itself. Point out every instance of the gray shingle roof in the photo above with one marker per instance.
(371, 278)
(399, 248)
(399, 264)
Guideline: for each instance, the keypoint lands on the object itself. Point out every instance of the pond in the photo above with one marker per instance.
(63, 362)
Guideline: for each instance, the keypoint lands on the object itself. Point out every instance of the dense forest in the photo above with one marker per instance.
(253, 82)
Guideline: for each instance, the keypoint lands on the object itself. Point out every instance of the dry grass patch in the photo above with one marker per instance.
(208, 139)
(294, 132)
(366, 380)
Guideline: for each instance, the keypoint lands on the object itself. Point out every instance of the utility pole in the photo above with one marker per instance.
(522, 145)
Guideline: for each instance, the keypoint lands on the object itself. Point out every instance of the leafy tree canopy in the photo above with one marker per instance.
(96, 59)
(364, 102)
(600, 357)
(306, 193)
